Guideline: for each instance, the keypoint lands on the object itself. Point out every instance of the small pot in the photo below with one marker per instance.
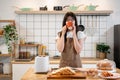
(74, 8)
(91, 7)
(102, 55)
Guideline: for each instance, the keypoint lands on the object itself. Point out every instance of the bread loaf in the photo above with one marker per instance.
(63, 71)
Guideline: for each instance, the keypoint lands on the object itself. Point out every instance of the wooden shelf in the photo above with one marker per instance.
(5, 75)
(100, 12)
(5, 54)
(29, 45)
(8, 21)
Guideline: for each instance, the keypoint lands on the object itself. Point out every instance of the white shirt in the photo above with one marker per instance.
(80, 35)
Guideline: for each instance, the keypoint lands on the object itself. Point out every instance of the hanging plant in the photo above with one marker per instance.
(10, 36)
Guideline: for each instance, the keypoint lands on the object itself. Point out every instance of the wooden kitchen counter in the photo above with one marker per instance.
(56, 61)
(30, 75)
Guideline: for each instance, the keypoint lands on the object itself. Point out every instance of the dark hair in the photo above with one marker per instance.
(64, 21)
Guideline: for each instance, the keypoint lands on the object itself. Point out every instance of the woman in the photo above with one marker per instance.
(70, 42)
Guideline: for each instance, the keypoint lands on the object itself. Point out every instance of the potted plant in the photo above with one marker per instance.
(103, 49)
(10, 36)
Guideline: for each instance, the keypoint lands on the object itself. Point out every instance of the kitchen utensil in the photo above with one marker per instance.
(66, 8)
(81, 27)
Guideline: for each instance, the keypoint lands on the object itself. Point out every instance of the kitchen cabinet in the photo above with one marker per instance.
(5, 57)
(22, 67)
(19, 69)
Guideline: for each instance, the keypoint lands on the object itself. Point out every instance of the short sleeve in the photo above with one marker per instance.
(81, 35)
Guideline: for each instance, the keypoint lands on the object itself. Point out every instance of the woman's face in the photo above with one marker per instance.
(71, 19)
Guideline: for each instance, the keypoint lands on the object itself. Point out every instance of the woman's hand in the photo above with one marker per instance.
(74, 28)
(64, 30)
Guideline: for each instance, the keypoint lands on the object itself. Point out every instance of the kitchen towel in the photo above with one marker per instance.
(41, 64)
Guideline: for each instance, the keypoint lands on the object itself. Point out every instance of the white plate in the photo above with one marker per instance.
(112, 71)
(115, 76)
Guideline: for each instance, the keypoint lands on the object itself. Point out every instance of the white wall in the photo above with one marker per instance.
(7, 11)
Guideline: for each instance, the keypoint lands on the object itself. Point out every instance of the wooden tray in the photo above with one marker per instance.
(78, 75)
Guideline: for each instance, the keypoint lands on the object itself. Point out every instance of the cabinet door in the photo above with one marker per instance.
(19, 70)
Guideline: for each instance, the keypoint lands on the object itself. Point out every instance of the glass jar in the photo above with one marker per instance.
(106, 65)
(22, 41)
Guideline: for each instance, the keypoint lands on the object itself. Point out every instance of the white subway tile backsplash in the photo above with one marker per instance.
(45, 40)
(37, 18)
(88, 39)
(52, 25)
(88, 47)
(103, 25)
(45, 32)
(45, 25)
(37, 39)
(29, 17)
(23, 32)
(30, 32)
(59, 18)
(52, 32)
(37, 32)
(52, 39)
(52, 47)
(45, 18)
(29, 25)
(22, 25)
(103, 19)
(43, 28)
(88, 53)
(103, 39)
(30, 39)
(37, 25)
(23, 18)
(52, 18)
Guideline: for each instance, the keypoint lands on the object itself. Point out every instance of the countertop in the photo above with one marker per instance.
(30, 75)
(56, 61)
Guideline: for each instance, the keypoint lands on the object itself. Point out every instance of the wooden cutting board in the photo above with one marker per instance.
(78, 75)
